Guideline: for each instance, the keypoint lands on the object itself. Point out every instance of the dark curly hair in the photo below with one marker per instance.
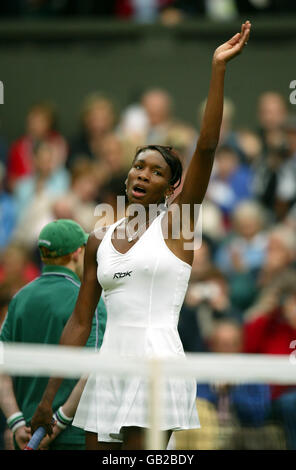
(172, 159)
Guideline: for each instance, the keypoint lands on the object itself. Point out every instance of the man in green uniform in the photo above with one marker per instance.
(38, 314)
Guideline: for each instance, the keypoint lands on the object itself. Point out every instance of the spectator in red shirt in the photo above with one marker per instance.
(40, 122)
(272, 333)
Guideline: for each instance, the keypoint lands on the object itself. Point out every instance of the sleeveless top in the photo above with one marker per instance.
(144, 290)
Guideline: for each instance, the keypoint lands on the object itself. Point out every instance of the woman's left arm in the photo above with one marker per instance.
(199, 171)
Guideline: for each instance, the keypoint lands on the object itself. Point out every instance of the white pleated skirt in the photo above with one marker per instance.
(109, 403)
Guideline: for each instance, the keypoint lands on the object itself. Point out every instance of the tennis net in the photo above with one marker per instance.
(244, 401)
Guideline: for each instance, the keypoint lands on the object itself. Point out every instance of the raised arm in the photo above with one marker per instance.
(76, 331)
(199, 170)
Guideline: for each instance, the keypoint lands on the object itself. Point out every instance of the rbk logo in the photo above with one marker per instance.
(120, 275)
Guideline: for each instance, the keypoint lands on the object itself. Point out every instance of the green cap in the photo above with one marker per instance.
(62, 237)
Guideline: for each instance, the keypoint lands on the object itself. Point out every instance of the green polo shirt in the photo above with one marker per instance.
(38, 314)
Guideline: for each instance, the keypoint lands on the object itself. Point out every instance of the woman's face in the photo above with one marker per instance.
(148, 179)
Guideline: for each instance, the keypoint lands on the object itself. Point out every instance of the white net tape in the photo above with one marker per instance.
(31, 359)
(206, 368)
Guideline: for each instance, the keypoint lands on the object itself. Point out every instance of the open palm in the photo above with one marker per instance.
(234, 46)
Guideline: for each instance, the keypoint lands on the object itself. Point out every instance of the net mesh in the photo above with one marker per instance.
(244, 402)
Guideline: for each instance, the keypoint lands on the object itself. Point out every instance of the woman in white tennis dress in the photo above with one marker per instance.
(143, 310)
(144, 277)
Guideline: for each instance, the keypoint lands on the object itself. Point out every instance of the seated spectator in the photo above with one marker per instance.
(237, 415)
(274, 181)
(280, 254)
(16, 268)
(272, 112)
(35, 194)
(286, 176)
(249, 146)
(3, 150)
(212, 221)
(133, 125)
(266, 179)
(242, 253)
(231, 181)
(5, 298)
(244, 248)
(277, 269)
(79, 202)
(272, 332)
(163, 127)
(7, 213)
(40, 126)
(113, 156)
(207, 299)
(98, 117)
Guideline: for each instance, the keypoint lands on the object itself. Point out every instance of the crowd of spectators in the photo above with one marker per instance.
(241, 295)
(144, 11)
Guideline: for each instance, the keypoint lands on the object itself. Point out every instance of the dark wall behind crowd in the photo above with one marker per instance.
(64, 60)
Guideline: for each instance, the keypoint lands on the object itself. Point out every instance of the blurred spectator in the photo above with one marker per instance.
(230, 182)
(143, 10)
(133, 125)
(277, 270)
(274, 183)
(272, 112)
(280, 254)
(244, 248)
(163, 127)
(232, 416)
(189, 327)
(113, 156)
(7, 213)
(40, 125)
(35, 194)
(3, 149)
(286, 180)
(273, 332)
(78, 203)
(207, 300)
(98, 119)
(242, 253)
(48, 176)
(242, 409)
(266, 177)
(245, 143)
(249, 146)
(16, 268)
(212, 221)
(5, 298)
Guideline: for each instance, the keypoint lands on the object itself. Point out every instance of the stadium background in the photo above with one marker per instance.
(61, 58)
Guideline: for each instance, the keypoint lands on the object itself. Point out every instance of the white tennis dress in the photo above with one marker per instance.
(143, 290)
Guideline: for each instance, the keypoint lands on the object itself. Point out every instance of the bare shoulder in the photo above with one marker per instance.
(94, 241)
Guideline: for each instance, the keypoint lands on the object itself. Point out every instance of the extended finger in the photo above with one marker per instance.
(235, 39)
(245, 36)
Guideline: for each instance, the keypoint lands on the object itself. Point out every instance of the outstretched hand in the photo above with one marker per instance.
(234, 46)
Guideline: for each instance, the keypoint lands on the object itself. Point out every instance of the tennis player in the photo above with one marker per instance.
(38, 314)
(144, 275)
